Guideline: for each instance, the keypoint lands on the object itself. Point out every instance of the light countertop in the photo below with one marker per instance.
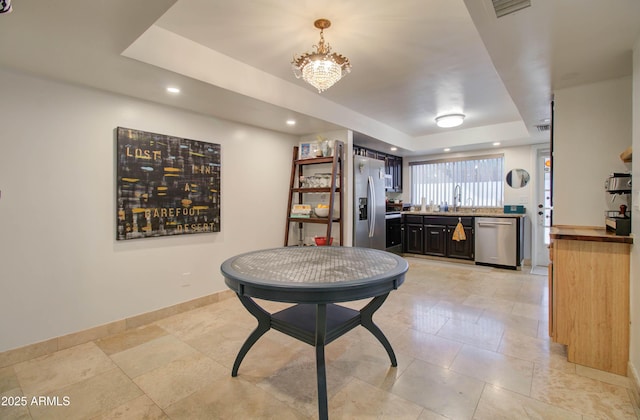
(464, 213)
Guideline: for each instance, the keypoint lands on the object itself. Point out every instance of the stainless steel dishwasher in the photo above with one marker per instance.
(496, 241)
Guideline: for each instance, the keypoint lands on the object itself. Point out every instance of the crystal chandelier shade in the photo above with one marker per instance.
(322, 68)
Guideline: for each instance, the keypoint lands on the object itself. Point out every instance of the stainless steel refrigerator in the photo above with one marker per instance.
(369, 230)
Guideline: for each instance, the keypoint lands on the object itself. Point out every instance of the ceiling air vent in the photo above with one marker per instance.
(504, 7)
(543, 127)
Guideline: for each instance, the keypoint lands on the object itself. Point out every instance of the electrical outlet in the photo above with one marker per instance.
(184, 281)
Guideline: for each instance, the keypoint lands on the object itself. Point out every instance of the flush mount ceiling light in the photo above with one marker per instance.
(449, 120)
(322, 68)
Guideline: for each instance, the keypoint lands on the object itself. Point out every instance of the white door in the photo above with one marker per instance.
(543, 208)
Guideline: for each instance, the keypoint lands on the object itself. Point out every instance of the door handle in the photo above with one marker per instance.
(494, 223)
(372, 208)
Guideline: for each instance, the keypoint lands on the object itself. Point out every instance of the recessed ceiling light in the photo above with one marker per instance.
(496, 143)
(172, 89)
(449, 120)
(291, 122)
(447, 150)
(393, 149)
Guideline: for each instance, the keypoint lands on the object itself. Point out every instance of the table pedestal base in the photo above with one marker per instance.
(317, 325)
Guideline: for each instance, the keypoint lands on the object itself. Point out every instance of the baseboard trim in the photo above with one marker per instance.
(632, 373)
(31, 351)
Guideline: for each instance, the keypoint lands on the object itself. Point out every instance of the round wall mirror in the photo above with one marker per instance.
(518, 178)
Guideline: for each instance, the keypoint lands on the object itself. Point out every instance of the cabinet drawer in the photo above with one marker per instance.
(412, 218)
(466, 221)
(448, 220)
(437, 220)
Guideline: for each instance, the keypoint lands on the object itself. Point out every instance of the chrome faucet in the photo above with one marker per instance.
(456, 198)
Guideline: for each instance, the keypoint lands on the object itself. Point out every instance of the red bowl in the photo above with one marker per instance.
(321, 240)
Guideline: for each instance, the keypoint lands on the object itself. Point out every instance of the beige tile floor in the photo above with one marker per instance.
(471, 342)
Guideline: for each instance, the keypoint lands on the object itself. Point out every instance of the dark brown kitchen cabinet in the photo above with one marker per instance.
(436, 233)
(394, 232)
(392, 166)
(435, 240)
(413, 234)
(396, 173)
(460, 249)
(439, 237)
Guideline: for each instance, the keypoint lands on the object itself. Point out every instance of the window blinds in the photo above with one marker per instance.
(480, 179)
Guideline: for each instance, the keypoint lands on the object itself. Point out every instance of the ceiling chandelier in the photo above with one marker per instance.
(322, 68)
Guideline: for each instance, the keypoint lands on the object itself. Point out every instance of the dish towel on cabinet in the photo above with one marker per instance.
(458, 233)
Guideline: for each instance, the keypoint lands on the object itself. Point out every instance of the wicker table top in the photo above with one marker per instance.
(337, 273)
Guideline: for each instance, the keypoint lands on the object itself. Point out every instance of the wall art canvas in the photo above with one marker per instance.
(166, 185)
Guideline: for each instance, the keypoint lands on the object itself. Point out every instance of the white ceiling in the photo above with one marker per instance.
(412, 60)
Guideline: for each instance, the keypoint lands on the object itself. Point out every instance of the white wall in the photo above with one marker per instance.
(61, 269)
(592, 126)
(634, 349)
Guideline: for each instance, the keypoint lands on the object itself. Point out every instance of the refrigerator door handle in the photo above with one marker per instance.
(372, 208)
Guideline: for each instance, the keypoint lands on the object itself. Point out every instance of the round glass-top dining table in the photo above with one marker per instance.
(314, 279)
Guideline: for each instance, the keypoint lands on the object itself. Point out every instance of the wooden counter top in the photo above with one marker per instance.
(587, 233)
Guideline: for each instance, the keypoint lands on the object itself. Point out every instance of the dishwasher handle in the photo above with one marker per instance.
(495, 223)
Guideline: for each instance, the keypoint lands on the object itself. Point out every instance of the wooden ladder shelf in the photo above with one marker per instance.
(297, 192)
